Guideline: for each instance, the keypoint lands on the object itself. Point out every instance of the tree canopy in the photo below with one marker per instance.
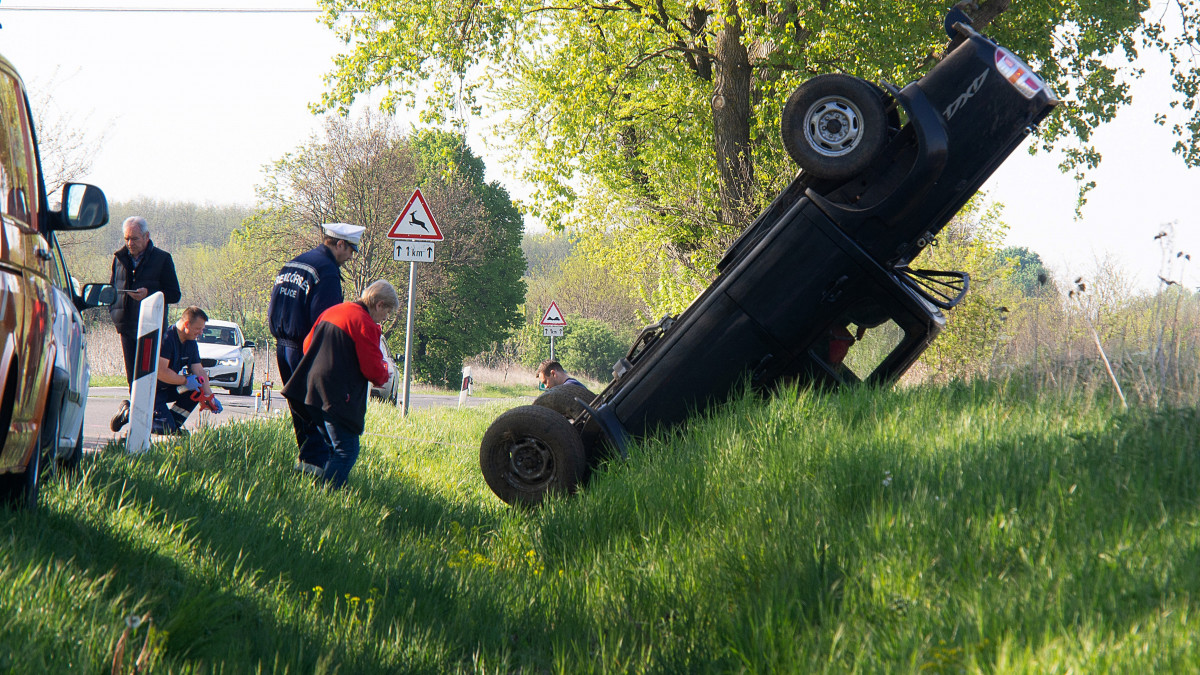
(674, 106)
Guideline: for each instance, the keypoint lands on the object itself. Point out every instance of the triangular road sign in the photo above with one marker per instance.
(416, 221)
(553, 317)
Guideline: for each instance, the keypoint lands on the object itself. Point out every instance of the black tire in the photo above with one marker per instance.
(529, 452)
(561, 399)
(833, 126)
(70, 465)
(20, 490)
(248, 388)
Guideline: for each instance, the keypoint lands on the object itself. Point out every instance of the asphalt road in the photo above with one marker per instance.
(103, 403)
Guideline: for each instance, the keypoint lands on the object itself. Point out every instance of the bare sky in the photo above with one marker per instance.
(193, 105)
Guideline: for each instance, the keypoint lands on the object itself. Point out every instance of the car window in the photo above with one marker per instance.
(58, 270)
(218, 335)
(875, 345)
(859, 341)
(18, 177)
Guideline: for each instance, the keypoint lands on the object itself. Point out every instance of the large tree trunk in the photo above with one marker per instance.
(731, 120)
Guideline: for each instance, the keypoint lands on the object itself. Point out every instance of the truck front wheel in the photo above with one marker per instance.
(529, 452)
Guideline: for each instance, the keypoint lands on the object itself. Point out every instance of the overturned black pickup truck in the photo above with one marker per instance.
(818, 289)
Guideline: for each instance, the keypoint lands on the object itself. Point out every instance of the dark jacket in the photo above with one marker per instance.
(304, 288)
(340, 355)
(155, 272)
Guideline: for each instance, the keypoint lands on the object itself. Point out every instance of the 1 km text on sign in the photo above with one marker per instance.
(412, 251)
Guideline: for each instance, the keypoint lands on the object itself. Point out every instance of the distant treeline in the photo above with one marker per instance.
(176, 225)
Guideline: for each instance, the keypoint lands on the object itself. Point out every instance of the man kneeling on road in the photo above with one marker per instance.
(177, 394)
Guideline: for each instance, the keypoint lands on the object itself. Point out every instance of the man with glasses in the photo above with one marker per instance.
(305, 287)
(139, 269)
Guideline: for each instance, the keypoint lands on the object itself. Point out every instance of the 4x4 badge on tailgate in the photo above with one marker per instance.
(965, 96)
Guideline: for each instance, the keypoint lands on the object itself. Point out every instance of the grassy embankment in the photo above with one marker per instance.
(928, 530)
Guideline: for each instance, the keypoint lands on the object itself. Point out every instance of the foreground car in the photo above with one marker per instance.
(43, 359)
(818, 290)
(227, 357)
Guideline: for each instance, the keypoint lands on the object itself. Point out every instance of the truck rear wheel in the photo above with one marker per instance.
(561, 399)
(833, 126)
(529, 452)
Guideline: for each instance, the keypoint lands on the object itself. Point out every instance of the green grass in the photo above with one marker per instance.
(108, 381)
(964, 528)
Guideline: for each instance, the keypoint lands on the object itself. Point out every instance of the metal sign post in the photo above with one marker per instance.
(553, 325)
(413, 234)
(412, 292)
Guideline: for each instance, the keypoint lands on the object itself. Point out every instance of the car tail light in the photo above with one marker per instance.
(1017, 73)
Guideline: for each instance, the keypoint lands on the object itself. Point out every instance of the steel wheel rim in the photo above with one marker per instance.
(530, 462)
(833, 126)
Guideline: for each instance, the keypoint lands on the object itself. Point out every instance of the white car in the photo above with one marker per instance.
(390, 391)
(227, 357)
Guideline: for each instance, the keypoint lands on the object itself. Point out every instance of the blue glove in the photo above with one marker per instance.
(193, 382)
(216, 405)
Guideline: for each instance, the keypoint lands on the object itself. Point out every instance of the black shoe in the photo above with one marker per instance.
(121, 418)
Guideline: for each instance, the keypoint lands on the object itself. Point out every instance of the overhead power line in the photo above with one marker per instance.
(170, 10)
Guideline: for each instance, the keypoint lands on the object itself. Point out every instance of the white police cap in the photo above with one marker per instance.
(351, 233)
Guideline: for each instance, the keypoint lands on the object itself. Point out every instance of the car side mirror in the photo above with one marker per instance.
(99, 295)
(84, 207)
(248, 344)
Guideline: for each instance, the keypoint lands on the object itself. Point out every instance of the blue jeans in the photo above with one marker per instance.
(343, 448)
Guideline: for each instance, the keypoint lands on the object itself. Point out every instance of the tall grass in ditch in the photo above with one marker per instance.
(961, 528)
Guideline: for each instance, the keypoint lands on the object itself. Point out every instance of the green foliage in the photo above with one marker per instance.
(1026, 275)
(970, 244)
(475, 291)
(589, 346)
(948, 529)
(671, 110)
(545, 252)
(583, 287)
(364, 172)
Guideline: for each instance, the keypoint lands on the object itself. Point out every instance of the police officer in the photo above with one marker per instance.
(305, 287)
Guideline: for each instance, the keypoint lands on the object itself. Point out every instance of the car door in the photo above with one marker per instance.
(25, 310)
(70, 355)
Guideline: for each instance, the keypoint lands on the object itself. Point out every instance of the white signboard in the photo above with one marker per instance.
(553, 331)
(412, 251)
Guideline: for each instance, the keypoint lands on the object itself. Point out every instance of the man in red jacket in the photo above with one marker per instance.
(331, 382)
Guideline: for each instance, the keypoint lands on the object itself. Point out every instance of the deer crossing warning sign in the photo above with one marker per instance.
(415, 221)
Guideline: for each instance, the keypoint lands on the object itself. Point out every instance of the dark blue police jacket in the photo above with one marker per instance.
(305, 287)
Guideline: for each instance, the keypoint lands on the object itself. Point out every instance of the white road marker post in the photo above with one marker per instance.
(145, 374)
(466, 386)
